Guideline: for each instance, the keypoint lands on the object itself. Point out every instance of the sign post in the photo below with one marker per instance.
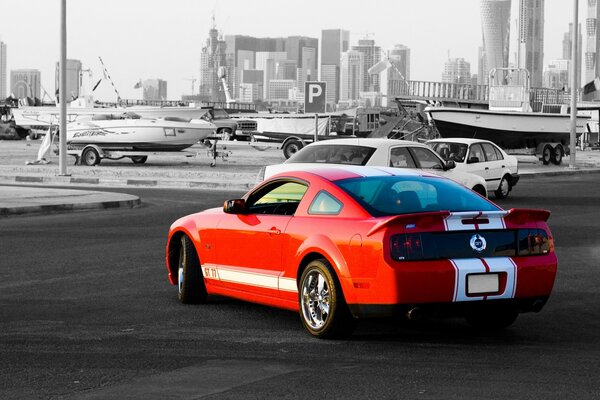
(315, 100)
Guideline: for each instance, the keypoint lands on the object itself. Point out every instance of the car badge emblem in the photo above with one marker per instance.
(478, 243)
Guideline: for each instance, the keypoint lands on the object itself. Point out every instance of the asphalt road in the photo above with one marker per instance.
(86, 312)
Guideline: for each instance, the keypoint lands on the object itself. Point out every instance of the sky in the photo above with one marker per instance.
(139, 39)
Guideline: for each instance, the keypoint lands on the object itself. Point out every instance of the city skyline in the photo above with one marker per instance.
(150, 41)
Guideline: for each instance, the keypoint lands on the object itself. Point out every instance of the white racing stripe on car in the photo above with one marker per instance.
(244, 277)
(495, 220)
(464, 267)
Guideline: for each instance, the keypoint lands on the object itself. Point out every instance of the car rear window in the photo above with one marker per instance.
(393, 195)
(333, 154)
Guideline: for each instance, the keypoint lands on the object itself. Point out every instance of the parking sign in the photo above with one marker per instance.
(315, 97)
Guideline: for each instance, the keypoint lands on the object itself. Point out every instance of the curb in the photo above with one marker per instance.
(69, 207)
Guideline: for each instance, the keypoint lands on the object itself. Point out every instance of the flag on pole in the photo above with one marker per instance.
(592, 86)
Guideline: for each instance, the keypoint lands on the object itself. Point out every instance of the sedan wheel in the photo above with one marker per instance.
(503, 190)
(323, 310)
(190, 283)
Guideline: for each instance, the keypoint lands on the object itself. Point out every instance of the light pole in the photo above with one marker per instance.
(62, 95)
(574, 73)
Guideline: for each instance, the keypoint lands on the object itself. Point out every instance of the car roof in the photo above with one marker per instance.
(374, 142)
(334, 172)
(459, 140)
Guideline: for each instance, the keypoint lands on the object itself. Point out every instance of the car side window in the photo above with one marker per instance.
(325, 204)
(400, 158)
(476, 152)
(279, 198)
(490, 154)
(499, 155)
(427, 158)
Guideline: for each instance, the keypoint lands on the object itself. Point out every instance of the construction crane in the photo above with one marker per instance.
(193, 80)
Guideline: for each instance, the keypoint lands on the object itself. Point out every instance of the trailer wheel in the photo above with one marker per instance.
(291, 147)
(558, 154)
(139, 159)
(547, 154)
(90, 157)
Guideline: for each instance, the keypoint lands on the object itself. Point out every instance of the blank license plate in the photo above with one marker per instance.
(482, 283)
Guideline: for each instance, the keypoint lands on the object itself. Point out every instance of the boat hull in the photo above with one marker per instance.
(138, 134)
(507, 129)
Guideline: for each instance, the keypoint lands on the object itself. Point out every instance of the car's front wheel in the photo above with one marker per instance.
(323, 310)
(190, 283)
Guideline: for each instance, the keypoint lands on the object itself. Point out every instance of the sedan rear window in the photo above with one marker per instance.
(333, 154)
(393, 195)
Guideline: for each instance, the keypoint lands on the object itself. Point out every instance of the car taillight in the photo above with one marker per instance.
(408, 246)
(534, 242)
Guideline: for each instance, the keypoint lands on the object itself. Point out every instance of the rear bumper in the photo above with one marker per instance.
(446, 310)
(514, 179)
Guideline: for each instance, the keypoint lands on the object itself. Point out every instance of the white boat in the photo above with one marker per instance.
(130, 132)
(509, 121)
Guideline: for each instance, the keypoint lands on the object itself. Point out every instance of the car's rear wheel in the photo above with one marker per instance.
(323, 310)
(190, 283)
(492, 318)
(480, 190)
(503, 189)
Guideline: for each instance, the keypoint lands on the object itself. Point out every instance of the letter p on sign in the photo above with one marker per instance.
(315, 96)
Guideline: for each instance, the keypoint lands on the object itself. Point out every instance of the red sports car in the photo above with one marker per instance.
(346, 242)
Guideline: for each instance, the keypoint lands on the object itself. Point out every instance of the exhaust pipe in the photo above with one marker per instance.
(414, 314)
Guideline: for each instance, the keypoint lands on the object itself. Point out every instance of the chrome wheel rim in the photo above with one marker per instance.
(180, 271)
(504, 187)
(315, 300)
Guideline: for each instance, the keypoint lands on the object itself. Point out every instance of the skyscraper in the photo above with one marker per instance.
(212, 57)
(567, 49)
(531, 39)
(3, 91)
(26, 83)
(457, 70)
(495, 21)
(592, 51)
(371, 56)
(267, 62)
(154, 89)
(334, 42)
(351, 75)
(399, 56)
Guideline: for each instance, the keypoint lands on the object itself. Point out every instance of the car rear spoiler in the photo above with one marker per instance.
(447, 220)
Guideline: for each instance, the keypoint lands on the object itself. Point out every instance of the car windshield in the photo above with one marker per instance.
(220, 114)
(450, 151)
(333, 154)
(392, 195)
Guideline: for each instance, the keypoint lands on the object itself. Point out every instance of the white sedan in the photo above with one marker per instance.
(483, 158)
(376, 152)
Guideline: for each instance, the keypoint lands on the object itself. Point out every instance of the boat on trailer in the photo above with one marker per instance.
(117, 136)
(510, 122)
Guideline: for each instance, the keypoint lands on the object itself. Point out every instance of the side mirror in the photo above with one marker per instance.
(450, 164)
(235, 206)
(473, 160)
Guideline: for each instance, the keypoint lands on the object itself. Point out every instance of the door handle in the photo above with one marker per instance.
(487, 168)
(274, 230)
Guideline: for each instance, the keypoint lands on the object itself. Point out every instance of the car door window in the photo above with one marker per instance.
(400, 158)
(490, 154)
(426, 158)
(499, 155)
(279, 198)
(476, 152)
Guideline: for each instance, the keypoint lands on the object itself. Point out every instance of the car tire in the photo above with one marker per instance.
(323, 310)
(503, 189)
(480, 190)
(547, 154)
(90, 157)
(558, 155)
(291, 147)
(224, 134)
(492, 318)
(190, 282)
(139, 159)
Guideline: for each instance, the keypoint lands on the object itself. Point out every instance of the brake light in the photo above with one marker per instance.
(535, 242)
(407, 247)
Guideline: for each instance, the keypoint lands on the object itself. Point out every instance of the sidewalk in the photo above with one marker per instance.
(238, 172)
